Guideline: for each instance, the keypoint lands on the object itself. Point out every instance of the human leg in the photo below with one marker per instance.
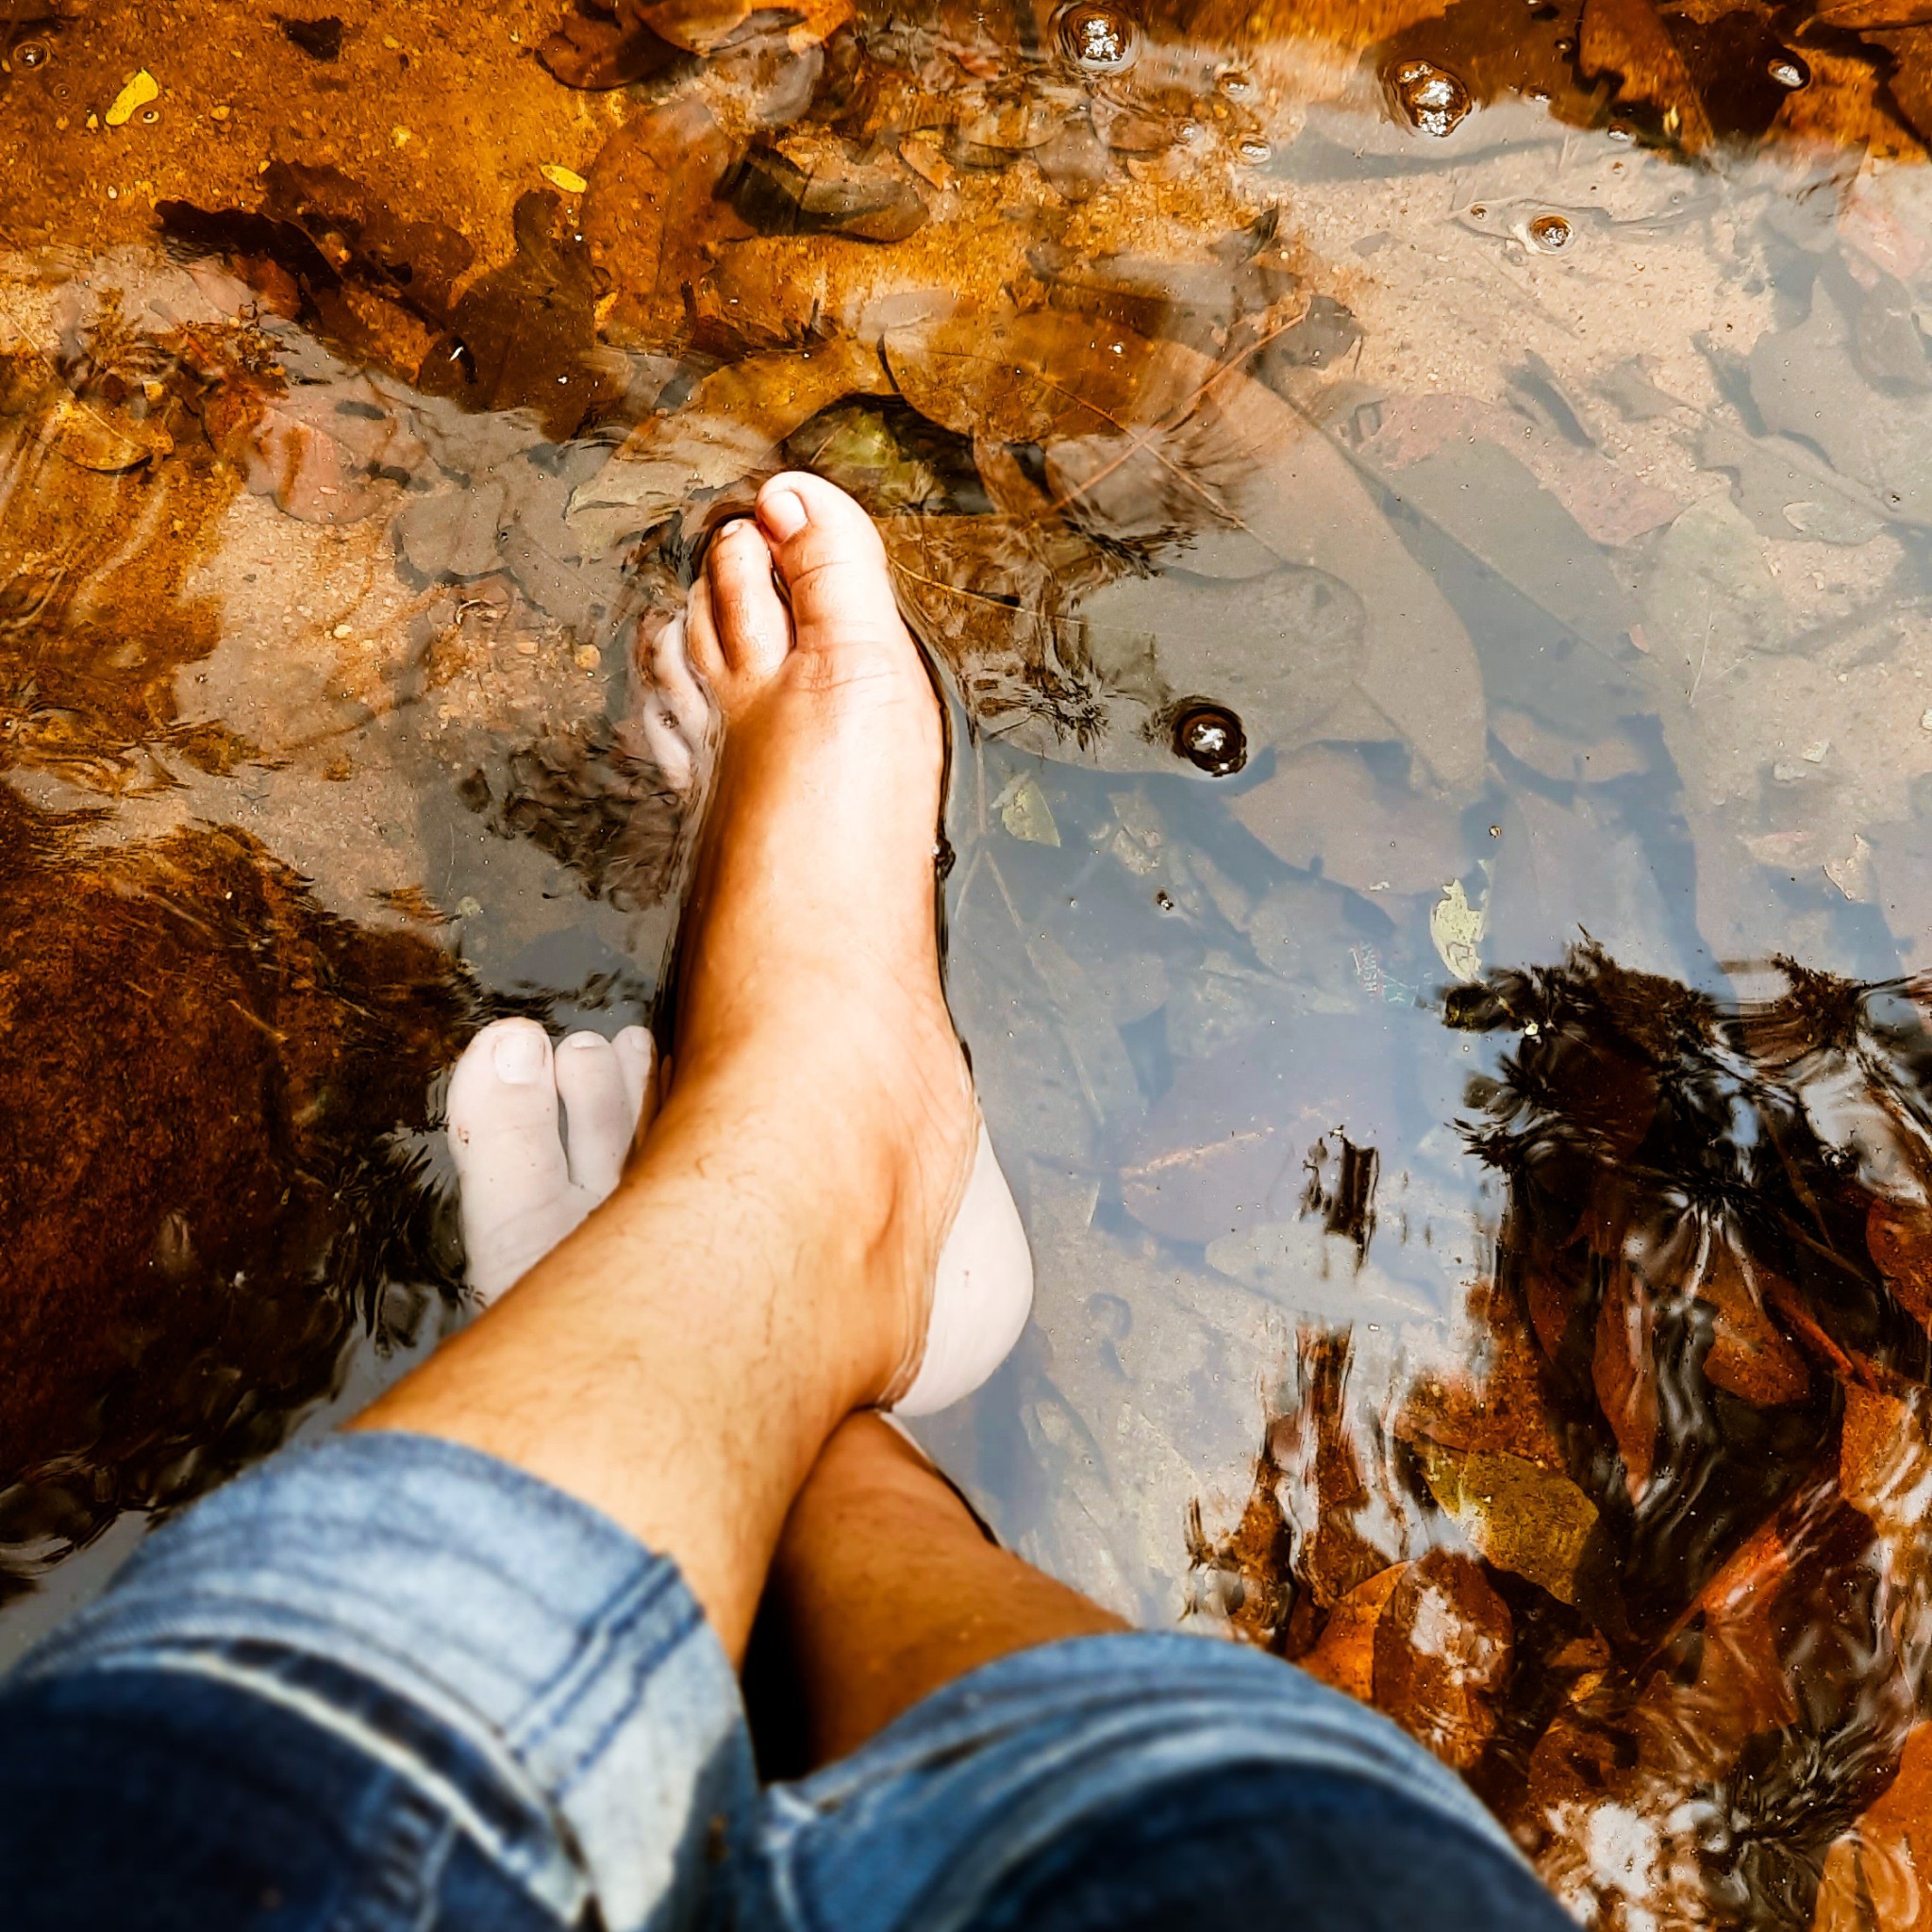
(455, 1589)
(886, 1588)
(1131, 1783)
(765, 1265)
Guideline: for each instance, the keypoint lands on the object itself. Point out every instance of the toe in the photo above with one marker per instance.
(703, 649)
(831, 560)
(503, 1105)
(666, 745)
(636, 1060)
(514, 1184)
(674, 680)
(675, 715)
(591, 1081)
(753, 627)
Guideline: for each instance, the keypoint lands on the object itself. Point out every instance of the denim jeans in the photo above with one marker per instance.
(387, 1682)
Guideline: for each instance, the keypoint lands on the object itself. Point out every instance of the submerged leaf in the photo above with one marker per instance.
(1520, 1515)
(731, 427)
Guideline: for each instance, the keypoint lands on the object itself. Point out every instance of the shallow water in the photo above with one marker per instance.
(1423, 516)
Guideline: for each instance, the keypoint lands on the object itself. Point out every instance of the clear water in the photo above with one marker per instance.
(1423, 518)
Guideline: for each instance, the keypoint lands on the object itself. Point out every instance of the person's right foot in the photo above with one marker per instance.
(813, 1040)
(809, 956)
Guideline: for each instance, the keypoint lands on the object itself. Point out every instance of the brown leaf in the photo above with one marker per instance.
(1878, 1875)
(1344, 1655)
(1505, 1409)
(704, 26)
(1750, 1356)
(1443, 1647)
(599, 46)
(651, 213)
(1898, 1235)
(1625, 1372)
(1885, 1461)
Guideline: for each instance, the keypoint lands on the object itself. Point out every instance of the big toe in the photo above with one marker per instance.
(832, 561)
(502, 1109)
(514, 1185)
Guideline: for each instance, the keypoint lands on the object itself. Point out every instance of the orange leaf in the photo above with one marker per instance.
(1344, 1655)
(1878, 1874)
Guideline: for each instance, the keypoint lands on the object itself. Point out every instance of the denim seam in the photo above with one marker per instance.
(550, 1705)
(643, 1671)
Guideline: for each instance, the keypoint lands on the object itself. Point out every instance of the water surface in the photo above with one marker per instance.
(1422, 517)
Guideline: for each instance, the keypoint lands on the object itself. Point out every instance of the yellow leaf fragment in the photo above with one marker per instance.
(566, 178)
(1026, 814)
(1457, 927)
(1521, 1516)
(138, 92)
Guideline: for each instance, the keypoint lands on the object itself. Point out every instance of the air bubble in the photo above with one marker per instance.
(32, 54)
(1432, 98)
(1254, 151)
(1788, 71)
(1551, 233)
(1234, 83)
(1098, 39)
(1210, 738)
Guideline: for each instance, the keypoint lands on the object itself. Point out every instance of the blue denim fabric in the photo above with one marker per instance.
(388, 1682)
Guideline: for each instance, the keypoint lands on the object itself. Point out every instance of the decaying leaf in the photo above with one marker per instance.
(608, 44)
(729, 429)
(1344, 1655)
(1879, 1877)
(650, 215)
(1520, 1515)
(1442, 1651)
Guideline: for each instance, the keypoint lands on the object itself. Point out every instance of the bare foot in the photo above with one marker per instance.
(810, 946)
(812, 1001)
(777, 1251)
(521, 1192)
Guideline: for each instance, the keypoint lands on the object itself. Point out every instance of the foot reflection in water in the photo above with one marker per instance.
(1658, 1582)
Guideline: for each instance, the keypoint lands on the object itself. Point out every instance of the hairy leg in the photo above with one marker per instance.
(766, 1264)
(884, 1588)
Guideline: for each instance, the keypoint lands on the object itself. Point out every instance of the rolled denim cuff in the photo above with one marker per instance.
(1015, 1754)
(536, 1670)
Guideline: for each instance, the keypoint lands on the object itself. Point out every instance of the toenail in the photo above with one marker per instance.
(519, 1054)
(580, 1040)
(782, 512)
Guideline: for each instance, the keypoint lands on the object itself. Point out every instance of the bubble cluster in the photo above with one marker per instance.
(1098, 39)
(1434, 99)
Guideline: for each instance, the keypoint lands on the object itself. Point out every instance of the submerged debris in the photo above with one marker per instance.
(1662, 1520)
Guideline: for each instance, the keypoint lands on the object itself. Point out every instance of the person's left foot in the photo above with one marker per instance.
(522, 1191)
